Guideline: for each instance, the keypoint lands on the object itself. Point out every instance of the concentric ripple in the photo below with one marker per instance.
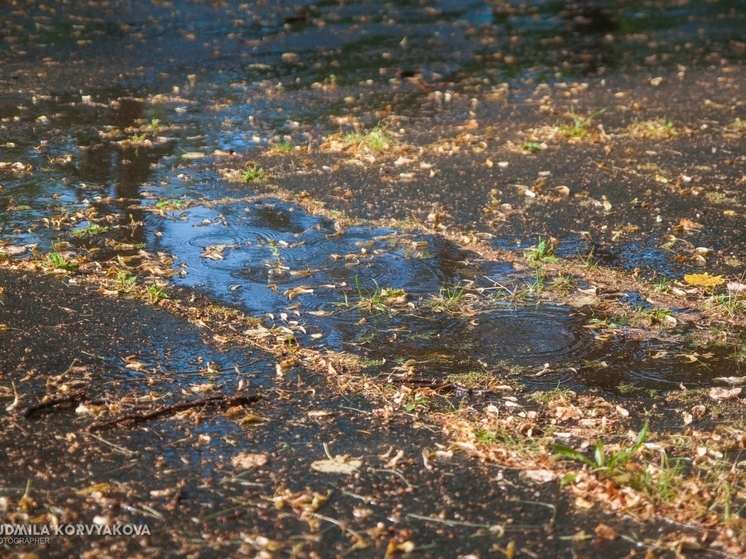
(533, 336)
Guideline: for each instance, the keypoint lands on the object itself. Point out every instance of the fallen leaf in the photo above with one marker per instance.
(699, 411)
(541, 476)
(250, 419)
(337, 465)
(95, 488)
(584, 301)
(606, 532)
(192, 155)
(685, 224)
(247, 461)
(583, 503)
(392, 463)
(704, 280)
(724, 393)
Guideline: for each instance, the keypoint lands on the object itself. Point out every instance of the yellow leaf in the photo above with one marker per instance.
(250, 419)
(703, 280)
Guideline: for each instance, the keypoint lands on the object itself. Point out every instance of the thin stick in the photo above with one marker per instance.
(121, 449)
(78, 396)
(179, 406)
(497, 528)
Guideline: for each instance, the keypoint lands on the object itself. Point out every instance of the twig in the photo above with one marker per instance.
(72, 397)
(121, 449)
(341, 524)
(179, 406)
(176, 499)
(499, 529)
(396, 473)
(437, 384)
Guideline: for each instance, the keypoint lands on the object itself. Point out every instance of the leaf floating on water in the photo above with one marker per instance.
(135, 366)
(215, 252)
(320, 313)
(704, 280)
(192, 155)
(724, 393)
(202, 388)
(295, 291)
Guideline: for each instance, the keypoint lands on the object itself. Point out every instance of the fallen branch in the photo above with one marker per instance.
(221, 401)
(53, 401)
(75, 398)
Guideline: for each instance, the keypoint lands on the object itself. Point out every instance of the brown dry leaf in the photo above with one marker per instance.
(724, 393)
(685, 224)
(584, 301)
(295, 291)
(392, 463)
(202, 388)
(95, 488)
(606, 532)
(247, 460)
(583, 503)
(704, 280)
(699, 411)
(426, 458)
(687, 543)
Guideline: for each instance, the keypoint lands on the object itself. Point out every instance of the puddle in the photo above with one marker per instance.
(66, 154)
